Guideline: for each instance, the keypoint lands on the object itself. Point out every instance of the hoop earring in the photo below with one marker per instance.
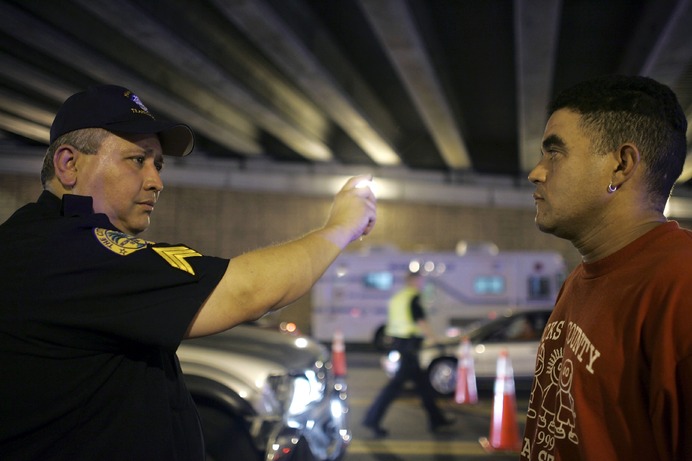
(612, 188)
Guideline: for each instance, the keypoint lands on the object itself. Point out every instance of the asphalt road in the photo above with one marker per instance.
(409, 439)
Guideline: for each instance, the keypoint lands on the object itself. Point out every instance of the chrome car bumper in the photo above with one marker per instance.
(321, 434)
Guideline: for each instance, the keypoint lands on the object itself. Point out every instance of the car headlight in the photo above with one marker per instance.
(294, 393)
(307, 389)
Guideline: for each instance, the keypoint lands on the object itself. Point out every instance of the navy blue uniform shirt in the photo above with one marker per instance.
(90, 320)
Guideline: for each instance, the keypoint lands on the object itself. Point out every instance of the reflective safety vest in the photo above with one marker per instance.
(400, 322)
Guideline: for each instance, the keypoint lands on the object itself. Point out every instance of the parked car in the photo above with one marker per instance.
(517, 332)
(266, 395)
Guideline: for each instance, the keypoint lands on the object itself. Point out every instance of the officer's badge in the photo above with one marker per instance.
(119, 242)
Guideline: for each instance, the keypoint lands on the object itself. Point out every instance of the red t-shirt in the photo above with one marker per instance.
(614, 368)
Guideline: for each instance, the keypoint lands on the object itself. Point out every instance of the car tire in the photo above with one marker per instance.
(225, 435)
(442, 375)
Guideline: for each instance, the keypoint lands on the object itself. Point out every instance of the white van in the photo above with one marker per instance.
(352, 296)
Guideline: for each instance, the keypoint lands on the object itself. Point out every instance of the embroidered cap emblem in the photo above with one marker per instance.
(134, 98)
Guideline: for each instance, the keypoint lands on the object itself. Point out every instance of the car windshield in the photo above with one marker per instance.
(524, 326)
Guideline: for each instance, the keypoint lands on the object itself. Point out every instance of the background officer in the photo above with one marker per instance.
(407, 326)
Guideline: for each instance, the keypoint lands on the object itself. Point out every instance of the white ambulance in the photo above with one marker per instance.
(463, 288)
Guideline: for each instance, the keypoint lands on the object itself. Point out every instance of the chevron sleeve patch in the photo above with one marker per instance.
(176, 257)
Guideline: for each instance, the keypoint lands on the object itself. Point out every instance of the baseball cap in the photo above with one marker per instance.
(119, 110)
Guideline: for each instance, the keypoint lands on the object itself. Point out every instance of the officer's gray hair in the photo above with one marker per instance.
(88, 141)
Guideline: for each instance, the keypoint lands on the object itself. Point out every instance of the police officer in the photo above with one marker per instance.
(407, 326)
(91, 315)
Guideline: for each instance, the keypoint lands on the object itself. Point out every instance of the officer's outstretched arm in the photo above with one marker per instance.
(270, 278)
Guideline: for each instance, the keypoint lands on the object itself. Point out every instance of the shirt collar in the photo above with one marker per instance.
(77, 205)
(70, 206)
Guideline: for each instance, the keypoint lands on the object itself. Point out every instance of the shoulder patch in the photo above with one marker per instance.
(119, 242)
(175, 256)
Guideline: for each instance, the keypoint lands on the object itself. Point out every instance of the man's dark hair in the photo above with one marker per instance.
(640, 110)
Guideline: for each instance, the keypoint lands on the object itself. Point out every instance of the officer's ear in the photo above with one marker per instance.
(65, 163)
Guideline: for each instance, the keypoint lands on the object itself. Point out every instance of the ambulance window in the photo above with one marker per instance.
(379, 280)
(539, 287)
(489, 285)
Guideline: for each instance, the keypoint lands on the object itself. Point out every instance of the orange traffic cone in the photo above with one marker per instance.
(338, 354)
(466, 390)
(504, 430)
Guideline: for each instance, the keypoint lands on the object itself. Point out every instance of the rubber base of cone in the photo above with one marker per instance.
(488, 447)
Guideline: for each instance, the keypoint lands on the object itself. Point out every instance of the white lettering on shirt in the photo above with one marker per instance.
(579, 343)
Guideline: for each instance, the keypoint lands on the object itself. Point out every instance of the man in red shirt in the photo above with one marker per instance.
(614, 373)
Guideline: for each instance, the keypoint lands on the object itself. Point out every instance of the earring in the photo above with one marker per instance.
(612, 188)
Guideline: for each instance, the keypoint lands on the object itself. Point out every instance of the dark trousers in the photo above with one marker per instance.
(409, 370)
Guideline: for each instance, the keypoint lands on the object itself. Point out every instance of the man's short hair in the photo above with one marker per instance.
(640, 110)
